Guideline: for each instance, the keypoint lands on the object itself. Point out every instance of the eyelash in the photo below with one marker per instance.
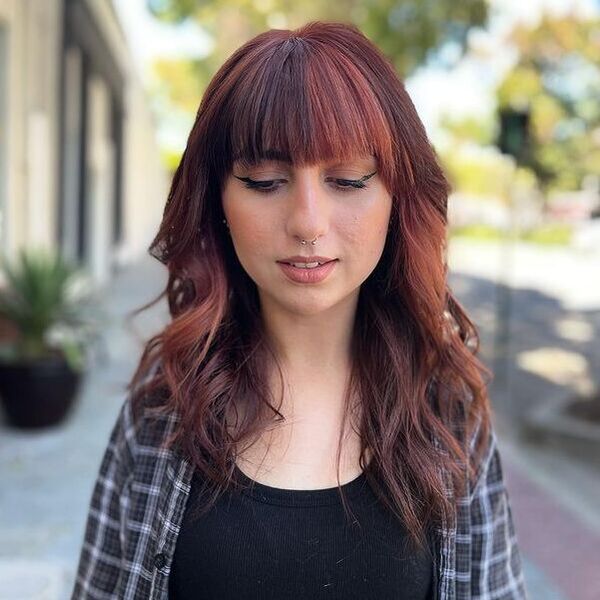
(260, 186)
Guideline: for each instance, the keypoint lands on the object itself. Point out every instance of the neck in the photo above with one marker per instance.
(314, 352)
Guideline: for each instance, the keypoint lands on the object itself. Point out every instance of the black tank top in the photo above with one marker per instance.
(268, 543)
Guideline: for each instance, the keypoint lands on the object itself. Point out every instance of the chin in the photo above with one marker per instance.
(311, 302)
(311, 309)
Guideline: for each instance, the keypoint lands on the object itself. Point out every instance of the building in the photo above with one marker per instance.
(79, 165)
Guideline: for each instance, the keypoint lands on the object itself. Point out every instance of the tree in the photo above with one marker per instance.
(408, 31)
(556, 83)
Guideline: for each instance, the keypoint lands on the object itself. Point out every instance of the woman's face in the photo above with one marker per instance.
(345, 205)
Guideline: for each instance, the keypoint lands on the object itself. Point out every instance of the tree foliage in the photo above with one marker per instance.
(408, 31)
(557, 81)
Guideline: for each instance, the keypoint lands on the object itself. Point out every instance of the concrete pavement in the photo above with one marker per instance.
(546, 351)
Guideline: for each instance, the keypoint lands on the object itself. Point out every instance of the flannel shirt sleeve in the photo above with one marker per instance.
(495, 556)
(99, 565)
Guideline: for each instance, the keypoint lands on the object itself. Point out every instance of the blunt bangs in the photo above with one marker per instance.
(303, 102)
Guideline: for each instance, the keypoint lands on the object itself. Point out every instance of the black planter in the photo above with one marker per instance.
(38, 393)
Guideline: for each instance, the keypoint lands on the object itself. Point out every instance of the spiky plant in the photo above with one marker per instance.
(48, 302)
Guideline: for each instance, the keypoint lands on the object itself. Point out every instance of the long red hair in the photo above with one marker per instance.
(319, 92)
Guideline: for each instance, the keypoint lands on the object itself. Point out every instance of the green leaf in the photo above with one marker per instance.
(38, 296)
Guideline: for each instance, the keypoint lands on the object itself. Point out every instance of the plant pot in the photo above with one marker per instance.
(38, 393)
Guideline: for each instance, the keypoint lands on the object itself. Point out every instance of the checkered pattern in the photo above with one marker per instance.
(139, 499)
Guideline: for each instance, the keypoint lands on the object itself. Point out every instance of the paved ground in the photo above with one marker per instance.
(543, 340)
(47, 477)
(542, 344)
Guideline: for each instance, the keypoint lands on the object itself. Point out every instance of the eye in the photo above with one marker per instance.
(272, 185)
(265, 187)
(347, 185)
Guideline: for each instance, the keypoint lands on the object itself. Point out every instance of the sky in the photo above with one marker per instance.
(149, 38)
(477, 73)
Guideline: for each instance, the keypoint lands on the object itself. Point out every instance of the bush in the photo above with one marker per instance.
(550, 234)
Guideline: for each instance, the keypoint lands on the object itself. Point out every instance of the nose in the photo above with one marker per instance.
(309, 210)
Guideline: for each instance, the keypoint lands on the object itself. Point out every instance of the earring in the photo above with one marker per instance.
(226, 224)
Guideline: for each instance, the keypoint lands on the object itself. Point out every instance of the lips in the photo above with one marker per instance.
(303, 260)
(307, 274)
(306, 265)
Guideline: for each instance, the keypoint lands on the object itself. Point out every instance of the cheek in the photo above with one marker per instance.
(249, 227)
(368, 228)
(248, 237)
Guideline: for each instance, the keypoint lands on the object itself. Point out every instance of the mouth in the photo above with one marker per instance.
(306, 265)
(306, 262)
(307, 272)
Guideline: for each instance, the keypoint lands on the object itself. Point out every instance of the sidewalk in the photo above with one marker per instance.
(552, 352)
(550, 304)
(559, 541)
(47, 479)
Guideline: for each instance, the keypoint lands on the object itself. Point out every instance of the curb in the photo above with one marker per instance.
(550, 424)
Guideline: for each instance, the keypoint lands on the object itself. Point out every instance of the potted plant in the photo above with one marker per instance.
(46, 324)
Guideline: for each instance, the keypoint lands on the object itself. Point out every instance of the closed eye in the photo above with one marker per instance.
(272, 185)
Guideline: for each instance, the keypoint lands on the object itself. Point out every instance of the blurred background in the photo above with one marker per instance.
(97, 98)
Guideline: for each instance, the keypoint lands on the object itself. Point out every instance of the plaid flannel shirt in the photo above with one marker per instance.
(139, 499)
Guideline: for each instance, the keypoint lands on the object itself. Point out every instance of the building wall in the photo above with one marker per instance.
(4, 153)
(146, 184)
(33, 35)
(40, 197)
(12, 138)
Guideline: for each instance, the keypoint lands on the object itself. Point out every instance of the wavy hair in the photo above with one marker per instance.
(321, 91)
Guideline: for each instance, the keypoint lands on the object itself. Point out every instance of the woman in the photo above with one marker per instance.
(313, 422)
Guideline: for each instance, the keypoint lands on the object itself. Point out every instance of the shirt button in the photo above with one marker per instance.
(160, 560)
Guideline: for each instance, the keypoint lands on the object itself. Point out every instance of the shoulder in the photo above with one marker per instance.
(494, 554)
(144, 422)
(476, 435)
(484, 456)
(129, 503)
